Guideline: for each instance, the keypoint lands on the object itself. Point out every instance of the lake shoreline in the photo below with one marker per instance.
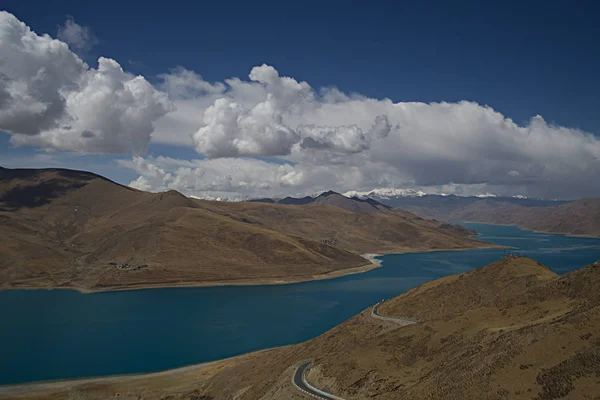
(371, 257)
(524, 228)
(441, 261)
(54, 386)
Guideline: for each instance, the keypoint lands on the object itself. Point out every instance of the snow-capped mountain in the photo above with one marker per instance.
(413, 199)
(219, 198)
(385, 193)
(388, 193)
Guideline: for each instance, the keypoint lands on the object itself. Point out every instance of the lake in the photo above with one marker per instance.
(57, 334)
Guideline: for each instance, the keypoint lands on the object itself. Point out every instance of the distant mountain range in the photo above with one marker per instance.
(353, 204)
(402, 197)
(578, 217)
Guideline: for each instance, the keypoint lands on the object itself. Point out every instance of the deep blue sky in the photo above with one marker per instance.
(522, 58)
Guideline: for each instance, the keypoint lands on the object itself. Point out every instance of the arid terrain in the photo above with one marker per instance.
(579, 217)
(332, 198)
(510, 330)
(73, 229)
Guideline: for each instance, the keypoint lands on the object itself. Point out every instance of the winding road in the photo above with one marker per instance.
(299, 378)
(399, 320)
(301, 383)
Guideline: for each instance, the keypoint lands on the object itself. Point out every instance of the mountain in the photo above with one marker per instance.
(364, 232)
(354, 204)
(406, 198)
(65, 228)
(385, 193)
(510, 330)
(579, 217)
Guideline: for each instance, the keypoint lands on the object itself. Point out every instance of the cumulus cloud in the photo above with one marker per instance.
(424, 145)
(322, 138)
(79, 38)
(248, 119)
(348, 139)
(230, 130)
(152, 177)
(51, 98)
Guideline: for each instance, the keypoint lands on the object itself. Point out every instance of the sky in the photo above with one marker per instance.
(254, 99)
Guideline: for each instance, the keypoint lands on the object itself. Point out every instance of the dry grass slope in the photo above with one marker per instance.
(580, 217)
(66, 228)
(510, 330)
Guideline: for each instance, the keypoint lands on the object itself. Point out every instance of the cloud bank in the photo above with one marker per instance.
(335, 140)
(270, 134)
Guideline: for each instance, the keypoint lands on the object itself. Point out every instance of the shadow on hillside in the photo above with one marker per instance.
(37, 195)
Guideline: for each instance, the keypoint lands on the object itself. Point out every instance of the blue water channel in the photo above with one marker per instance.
(56, 334)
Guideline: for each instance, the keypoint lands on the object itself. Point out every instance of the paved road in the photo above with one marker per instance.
(299, 378)
(302, 384)
(399, 320)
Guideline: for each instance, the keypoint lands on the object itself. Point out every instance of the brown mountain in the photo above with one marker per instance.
(332, 198)
(510, 330)
(64, 228)
(579, 217)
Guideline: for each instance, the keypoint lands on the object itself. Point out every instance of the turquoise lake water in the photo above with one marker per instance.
(56, 334)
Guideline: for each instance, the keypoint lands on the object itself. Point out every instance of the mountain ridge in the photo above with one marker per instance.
(76, 229)
(331, 197)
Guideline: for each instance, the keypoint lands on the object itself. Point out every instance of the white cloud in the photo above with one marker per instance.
(181, 83)
(234, 177)
(152, 177)
(247, 118)
(230, 130)
(51, 98)
(419, 144)
(328, 139)
(344, 138)
(79, 38)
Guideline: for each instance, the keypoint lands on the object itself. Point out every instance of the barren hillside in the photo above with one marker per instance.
(510, 330)
(66, 228)
(580, 217)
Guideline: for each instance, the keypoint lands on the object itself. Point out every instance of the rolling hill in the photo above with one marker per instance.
(64, 228)
(579, 217)
(510, 330)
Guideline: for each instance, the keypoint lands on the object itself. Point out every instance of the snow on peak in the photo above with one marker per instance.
(519, 196)
(485, 195)
(385, 193)
(219, 198)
